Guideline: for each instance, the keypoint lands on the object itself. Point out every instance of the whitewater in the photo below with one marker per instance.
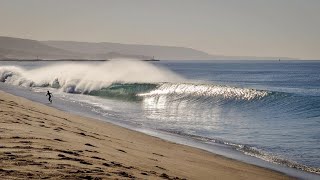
(259, 110)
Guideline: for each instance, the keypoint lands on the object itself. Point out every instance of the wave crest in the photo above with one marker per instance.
(225, 92)
(87, 77)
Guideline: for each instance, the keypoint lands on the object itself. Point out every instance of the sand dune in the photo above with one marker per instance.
(40, 142)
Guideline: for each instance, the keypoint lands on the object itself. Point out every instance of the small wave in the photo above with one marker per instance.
(251, 151)
(255, 152)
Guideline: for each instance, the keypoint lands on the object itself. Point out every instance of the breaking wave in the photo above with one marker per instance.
(83, 78)
(133, 80)
(122, 79)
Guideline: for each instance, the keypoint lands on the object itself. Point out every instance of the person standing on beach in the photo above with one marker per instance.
(49, 94)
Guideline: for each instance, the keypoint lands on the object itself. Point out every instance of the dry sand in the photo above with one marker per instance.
(40, 142)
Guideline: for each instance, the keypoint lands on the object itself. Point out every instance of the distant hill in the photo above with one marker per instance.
(2, 56)
(162, 52)
(17, 48)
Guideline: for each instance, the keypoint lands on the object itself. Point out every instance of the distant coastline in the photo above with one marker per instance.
(17, 48)
(74, 60)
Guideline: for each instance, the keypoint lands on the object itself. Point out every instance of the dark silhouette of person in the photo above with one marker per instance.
(49, 94)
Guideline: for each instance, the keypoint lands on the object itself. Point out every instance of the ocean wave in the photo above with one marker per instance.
(115, 83)
(185, 90)
(120, 79)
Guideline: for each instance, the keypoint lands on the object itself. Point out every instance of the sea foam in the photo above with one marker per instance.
(86, 77)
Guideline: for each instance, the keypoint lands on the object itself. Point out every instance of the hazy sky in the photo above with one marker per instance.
(289, 28)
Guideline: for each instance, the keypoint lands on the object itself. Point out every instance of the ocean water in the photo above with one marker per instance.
(265, 109)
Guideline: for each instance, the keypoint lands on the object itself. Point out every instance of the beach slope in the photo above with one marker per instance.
(40, 142)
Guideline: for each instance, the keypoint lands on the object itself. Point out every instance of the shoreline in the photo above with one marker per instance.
(116, 152)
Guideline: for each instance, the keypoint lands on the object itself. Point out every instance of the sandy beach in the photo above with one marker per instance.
(40, 142)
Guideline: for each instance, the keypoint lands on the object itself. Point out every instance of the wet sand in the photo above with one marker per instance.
(40, 142)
